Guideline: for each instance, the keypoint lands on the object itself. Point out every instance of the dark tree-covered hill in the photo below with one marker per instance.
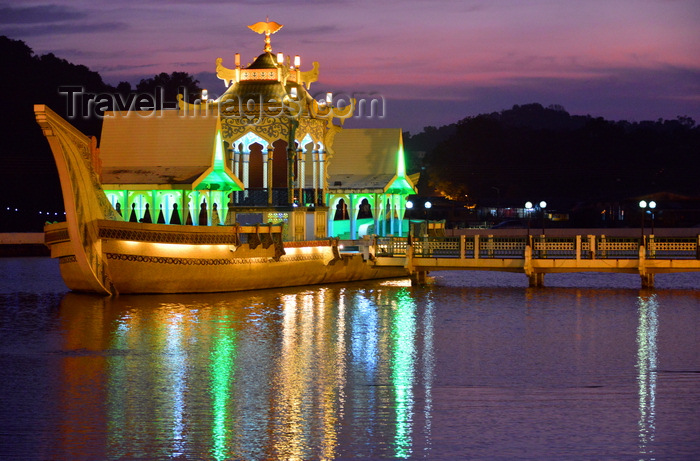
(530, 152)
(28, 177)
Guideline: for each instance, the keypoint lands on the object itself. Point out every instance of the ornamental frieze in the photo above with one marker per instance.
(313, 127)
(206, 261)
(269, 128)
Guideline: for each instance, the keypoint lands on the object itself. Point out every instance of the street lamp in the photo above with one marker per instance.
(528, 211)
(427, 206)
(543, 205)
(643, 205)
(409, 206)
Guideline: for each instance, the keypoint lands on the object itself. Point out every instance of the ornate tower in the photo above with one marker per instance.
(275, 132)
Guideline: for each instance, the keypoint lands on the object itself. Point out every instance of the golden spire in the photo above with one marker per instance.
(268, 28)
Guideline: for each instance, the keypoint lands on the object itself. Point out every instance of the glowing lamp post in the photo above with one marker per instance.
(427, 206)
(651, 205)
(528, 211)
(543, 205)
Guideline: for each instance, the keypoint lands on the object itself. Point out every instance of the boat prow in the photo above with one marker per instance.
(73, 154)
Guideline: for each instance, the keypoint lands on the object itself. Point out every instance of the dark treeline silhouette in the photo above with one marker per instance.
(29, 180)
(525, 152)
(534, 152)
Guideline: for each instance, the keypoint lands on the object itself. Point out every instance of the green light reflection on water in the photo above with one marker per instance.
(222, 360)
(403, 371)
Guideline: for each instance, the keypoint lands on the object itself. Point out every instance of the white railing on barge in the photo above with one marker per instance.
(537, 255)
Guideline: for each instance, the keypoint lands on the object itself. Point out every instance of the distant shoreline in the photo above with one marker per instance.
(571, 232)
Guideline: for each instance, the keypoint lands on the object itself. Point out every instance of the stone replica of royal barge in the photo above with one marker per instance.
(248, 191)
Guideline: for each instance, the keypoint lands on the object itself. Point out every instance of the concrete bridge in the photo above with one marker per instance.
(536, 256)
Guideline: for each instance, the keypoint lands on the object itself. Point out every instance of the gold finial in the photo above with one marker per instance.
(268, 28)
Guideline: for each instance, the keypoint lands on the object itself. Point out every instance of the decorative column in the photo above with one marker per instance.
(314, 172)
(330, 216)
(301, 173)
(125, 207)
(353, 216)
(392, 217)
(237, 168)
(291, 152)
(322, 175)
(375, 212)
(265, 154)
(268, 173)
(232, 156)
(236, 161)
(246, 170)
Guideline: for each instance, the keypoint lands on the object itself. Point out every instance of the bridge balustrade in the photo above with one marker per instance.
(673, 248)
(436, 247)
(617, 247)
(502, 247)
(392, 246)
(556, 248)
(581, 247)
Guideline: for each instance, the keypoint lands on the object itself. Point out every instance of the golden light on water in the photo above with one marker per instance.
(396, 283)
(325, 372)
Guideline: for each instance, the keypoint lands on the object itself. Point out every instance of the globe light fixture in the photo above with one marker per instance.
(643, 205)
(543, 205)
(528, 213)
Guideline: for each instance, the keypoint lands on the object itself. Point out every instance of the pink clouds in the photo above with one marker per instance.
(441, 50)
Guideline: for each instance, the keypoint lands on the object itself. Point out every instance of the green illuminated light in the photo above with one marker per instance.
(222, 369)
(403, 371)
(219, 179)
(401, 185)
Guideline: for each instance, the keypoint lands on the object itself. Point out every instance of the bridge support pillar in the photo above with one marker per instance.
(647, 280)
(536, 279)
(419, 278)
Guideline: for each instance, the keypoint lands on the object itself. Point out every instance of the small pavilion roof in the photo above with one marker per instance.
(163, 147)
(367, 160)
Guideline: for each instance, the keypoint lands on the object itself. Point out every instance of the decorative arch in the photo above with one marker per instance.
(169, 202)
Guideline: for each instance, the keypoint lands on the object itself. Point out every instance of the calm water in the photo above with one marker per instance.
(477, 366)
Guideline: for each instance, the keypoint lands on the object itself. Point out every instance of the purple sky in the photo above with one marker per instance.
(433, 62)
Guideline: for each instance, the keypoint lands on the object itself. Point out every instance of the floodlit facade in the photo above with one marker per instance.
(265, 151)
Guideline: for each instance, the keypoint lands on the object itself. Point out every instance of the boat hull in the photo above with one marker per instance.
(138, 264)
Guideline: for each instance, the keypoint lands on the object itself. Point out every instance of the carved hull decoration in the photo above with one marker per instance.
(99, 252)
